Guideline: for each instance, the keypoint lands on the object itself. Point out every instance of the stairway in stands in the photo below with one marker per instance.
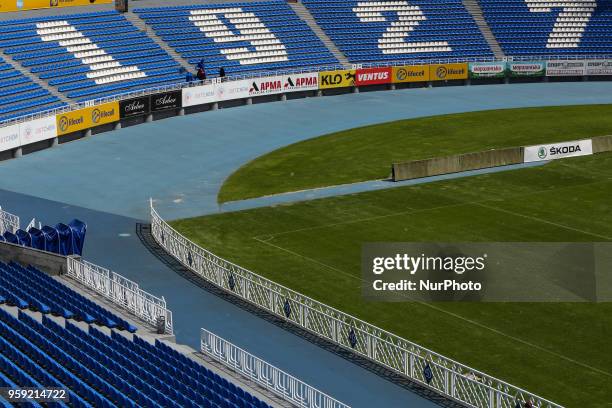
(142, 26)
(473, 7)
(305, 15)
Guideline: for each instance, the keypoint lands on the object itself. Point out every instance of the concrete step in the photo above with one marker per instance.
(473, 7)
(141, 25)
(26, 72)
(303, 13)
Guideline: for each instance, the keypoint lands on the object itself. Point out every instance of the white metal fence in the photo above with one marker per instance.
(121, 291)
(448, 377)
(8, 222)
(279, 382)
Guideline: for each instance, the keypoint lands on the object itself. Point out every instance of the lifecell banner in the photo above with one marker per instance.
(87, 117)
(527, 69)
(558, 150)
(445, 72)
(19, 5)
(336, 79)
(487, 69)
(373, 76)
(410, 73)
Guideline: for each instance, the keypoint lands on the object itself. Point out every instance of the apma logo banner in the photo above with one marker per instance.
(373, 76)
(301, 82)
(487, 69)
(527, 69)
(558, 150)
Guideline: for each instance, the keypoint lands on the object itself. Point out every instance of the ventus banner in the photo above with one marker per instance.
(487, 69)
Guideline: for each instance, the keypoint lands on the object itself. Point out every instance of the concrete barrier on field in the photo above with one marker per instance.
(48, 262)
(456, 163)
(602, 144)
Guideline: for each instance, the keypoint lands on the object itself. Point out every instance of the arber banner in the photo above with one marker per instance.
(373, 76)
(445, 72)
(134, 107)
(411, 73)
(167, 100)
(336, 79)
(87, 117)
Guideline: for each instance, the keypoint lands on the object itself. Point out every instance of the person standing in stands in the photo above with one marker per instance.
(222, 74)
(201, 74)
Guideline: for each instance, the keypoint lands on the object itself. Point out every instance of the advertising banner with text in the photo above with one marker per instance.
(599, 67)
(19, 5)
(527, 69)
(445, 72)
(336, 79)
(199, 95)
(37, 130)
(166, 100)
(558, 150)
(373, 76)
(487, 69)
(9, 137)
(410, 73)
(565, 68)
(301, 82)
(134, 107)
(87, 117)
(233, 90)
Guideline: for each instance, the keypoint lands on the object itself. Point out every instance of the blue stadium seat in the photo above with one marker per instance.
(400, 31)
(240, 37)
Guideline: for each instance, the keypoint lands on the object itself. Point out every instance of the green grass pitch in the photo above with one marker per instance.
(557, 350)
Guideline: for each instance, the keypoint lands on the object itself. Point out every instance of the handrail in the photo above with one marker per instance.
(441, 374)
(263, 373)
(121, 291)
(259, 74)
(8, 222)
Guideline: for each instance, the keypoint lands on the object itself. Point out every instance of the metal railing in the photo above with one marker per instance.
(273, 379)
(121, 291)
(8, 222)
(259, 74)
(447, 377)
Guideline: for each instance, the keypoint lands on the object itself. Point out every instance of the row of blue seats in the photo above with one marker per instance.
(14, 107)
(146, 62)
(32, 110)
(32, 26)
(60, 239)
(118, 87)
(35, 40)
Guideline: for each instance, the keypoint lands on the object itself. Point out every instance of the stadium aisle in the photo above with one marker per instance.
(182, 162)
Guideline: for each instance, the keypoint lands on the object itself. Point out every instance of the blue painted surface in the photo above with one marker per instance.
(182, 161)
(344, 189)
(107, 179)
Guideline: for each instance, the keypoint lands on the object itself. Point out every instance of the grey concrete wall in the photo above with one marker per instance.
(457, 163)
(50, 263)
(602, 144)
